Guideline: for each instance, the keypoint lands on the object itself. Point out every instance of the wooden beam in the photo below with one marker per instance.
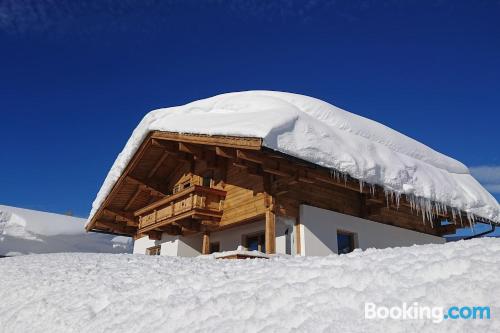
(127, 216)
(212, 140)
(249, 156)
(145, 186)
(446, 229)
(190, 149)
(225, 152)
(275, 171)
(115, 227)
(210, 223)
(190, 224)
(158, 164)
(172, 229)
(168, 146)
(132, 198)
(270, 232)
(155, 235)
(206, 243)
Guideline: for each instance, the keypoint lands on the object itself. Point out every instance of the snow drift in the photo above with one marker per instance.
(137, 293)
(25, 231)
(328, 136)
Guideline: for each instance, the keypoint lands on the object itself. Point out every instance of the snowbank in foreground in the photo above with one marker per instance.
(135, 293)
(25, 231)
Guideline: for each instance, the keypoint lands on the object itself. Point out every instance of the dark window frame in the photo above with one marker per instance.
(214, 245)
(260, 236)
(352, 238)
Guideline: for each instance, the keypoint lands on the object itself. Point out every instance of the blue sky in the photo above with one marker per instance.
(77, 77)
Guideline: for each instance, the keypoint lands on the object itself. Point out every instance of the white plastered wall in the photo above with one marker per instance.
(318, 232)
(229, 240)
(188, 246)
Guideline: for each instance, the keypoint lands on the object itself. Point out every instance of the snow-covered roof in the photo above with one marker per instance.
(318, 132)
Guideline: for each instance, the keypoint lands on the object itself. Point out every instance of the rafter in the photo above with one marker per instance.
(133, 198)
(225, 152)
(127, 216)
(148, 187)
(116, 227)
(190, 149)
(158, 164)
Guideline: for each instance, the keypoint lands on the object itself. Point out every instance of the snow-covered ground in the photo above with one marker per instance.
(25, 231)
(321, 133)
(136, 293)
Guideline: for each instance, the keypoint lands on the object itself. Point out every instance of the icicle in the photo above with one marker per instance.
(470, 217)
(360, 186)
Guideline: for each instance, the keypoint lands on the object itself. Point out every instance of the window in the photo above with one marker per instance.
(345, 242)
(255, 242)
(153, 251)
(181, 186)
(207, 181)
(214, 247)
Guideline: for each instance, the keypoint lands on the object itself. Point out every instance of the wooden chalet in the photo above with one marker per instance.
(186, 194)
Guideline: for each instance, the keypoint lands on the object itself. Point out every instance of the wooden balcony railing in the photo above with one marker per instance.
(194, 203)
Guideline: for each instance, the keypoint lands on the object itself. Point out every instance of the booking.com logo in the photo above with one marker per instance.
(416, 311)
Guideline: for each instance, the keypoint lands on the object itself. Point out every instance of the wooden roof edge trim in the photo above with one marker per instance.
(312, 165)
(241, 142)
(133, 161)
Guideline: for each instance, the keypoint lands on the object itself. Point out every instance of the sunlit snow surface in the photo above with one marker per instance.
(25, 231)
(321, 133)
(136, 293)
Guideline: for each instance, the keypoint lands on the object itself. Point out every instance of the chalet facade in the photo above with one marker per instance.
(187, 195)
(184, 194)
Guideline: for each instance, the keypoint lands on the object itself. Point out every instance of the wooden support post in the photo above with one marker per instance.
(270, 232)
(206, 243)
(298, 244)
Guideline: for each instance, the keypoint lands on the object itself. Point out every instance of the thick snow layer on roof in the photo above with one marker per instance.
(137, 293)
(25, 231)
(323, 134)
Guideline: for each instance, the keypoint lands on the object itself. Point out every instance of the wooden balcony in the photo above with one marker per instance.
(184, 211)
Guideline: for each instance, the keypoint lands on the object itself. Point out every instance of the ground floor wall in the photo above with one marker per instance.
(189, 246)
(318, 231)
(228, 240)
(319, 227)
